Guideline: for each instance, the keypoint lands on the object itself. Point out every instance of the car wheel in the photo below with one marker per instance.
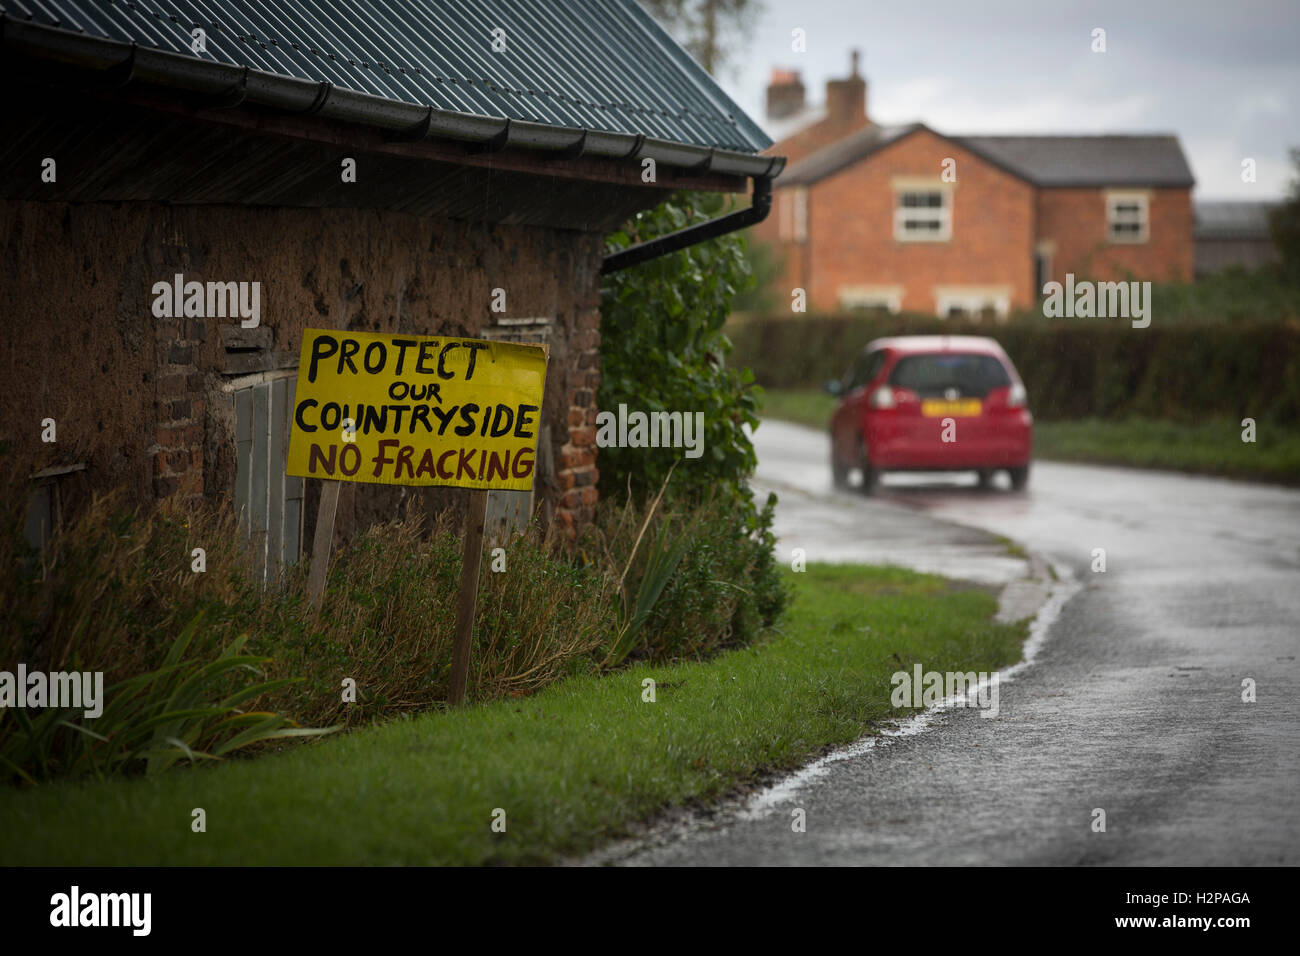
(1019, 478)
(986, 478)
(870, 476)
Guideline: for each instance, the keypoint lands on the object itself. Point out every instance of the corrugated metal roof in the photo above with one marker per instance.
(584, 64)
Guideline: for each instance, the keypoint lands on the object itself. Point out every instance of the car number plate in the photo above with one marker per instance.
(960, 408)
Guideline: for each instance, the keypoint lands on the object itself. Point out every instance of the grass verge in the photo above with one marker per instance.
(803, 406)
(572, 766)
(1211, 447)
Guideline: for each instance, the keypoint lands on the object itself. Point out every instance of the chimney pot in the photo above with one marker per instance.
(846, 99)
(785, 94)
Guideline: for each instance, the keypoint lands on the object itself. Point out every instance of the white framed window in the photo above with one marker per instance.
(972, 301)
(794, 214)
(871, 298)
(922, 214)
(1127, 218)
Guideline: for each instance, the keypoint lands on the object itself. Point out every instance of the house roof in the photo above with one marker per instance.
(786, 126)
(1103, 160)
(568, 66)
(1230, 219)
(1083, 160)
(831, 159)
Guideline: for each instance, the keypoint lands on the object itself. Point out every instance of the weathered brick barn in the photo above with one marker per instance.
(429, 169)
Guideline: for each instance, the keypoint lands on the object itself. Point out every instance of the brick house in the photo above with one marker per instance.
(369, 167)
(905, 218)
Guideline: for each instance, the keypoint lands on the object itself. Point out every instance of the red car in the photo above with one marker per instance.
(931, 403)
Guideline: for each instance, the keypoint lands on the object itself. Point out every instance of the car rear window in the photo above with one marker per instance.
(866, 368)
(972, 375)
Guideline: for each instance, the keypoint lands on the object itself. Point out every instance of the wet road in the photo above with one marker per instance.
(1133, 703)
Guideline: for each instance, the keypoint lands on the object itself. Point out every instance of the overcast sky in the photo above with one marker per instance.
(1223, 75)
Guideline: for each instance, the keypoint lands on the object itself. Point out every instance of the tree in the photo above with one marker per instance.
(710, 30)
(1284, 223)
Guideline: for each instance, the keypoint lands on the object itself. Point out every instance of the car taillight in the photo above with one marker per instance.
(1017, 397)
(882, 397)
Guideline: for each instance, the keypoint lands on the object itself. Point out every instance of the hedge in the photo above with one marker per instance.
(1088, 368)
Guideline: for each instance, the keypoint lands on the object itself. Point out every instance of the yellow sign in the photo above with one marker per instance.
(417, 410)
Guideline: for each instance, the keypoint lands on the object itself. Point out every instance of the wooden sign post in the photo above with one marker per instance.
(418, 410)
(323, 541)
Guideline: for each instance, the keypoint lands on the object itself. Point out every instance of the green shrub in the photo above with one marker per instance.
(727, 587)
(663, 349)
(1079, 368)
(1284, 227)
(1234, 295)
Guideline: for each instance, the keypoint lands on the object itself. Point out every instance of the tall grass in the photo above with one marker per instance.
(115, 592)
(724, 588)
(389, 616)
(185, 710)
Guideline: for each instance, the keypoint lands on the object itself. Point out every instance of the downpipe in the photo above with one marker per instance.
(691, 235)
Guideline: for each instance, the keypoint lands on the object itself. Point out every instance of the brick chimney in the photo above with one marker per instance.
(785, 94)
(846, 100)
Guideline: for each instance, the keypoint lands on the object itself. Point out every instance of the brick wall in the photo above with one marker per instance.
(180, 407)
(76, 347)
(139, 399)
(576, 473)
(1075, 221)
(851, 229)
